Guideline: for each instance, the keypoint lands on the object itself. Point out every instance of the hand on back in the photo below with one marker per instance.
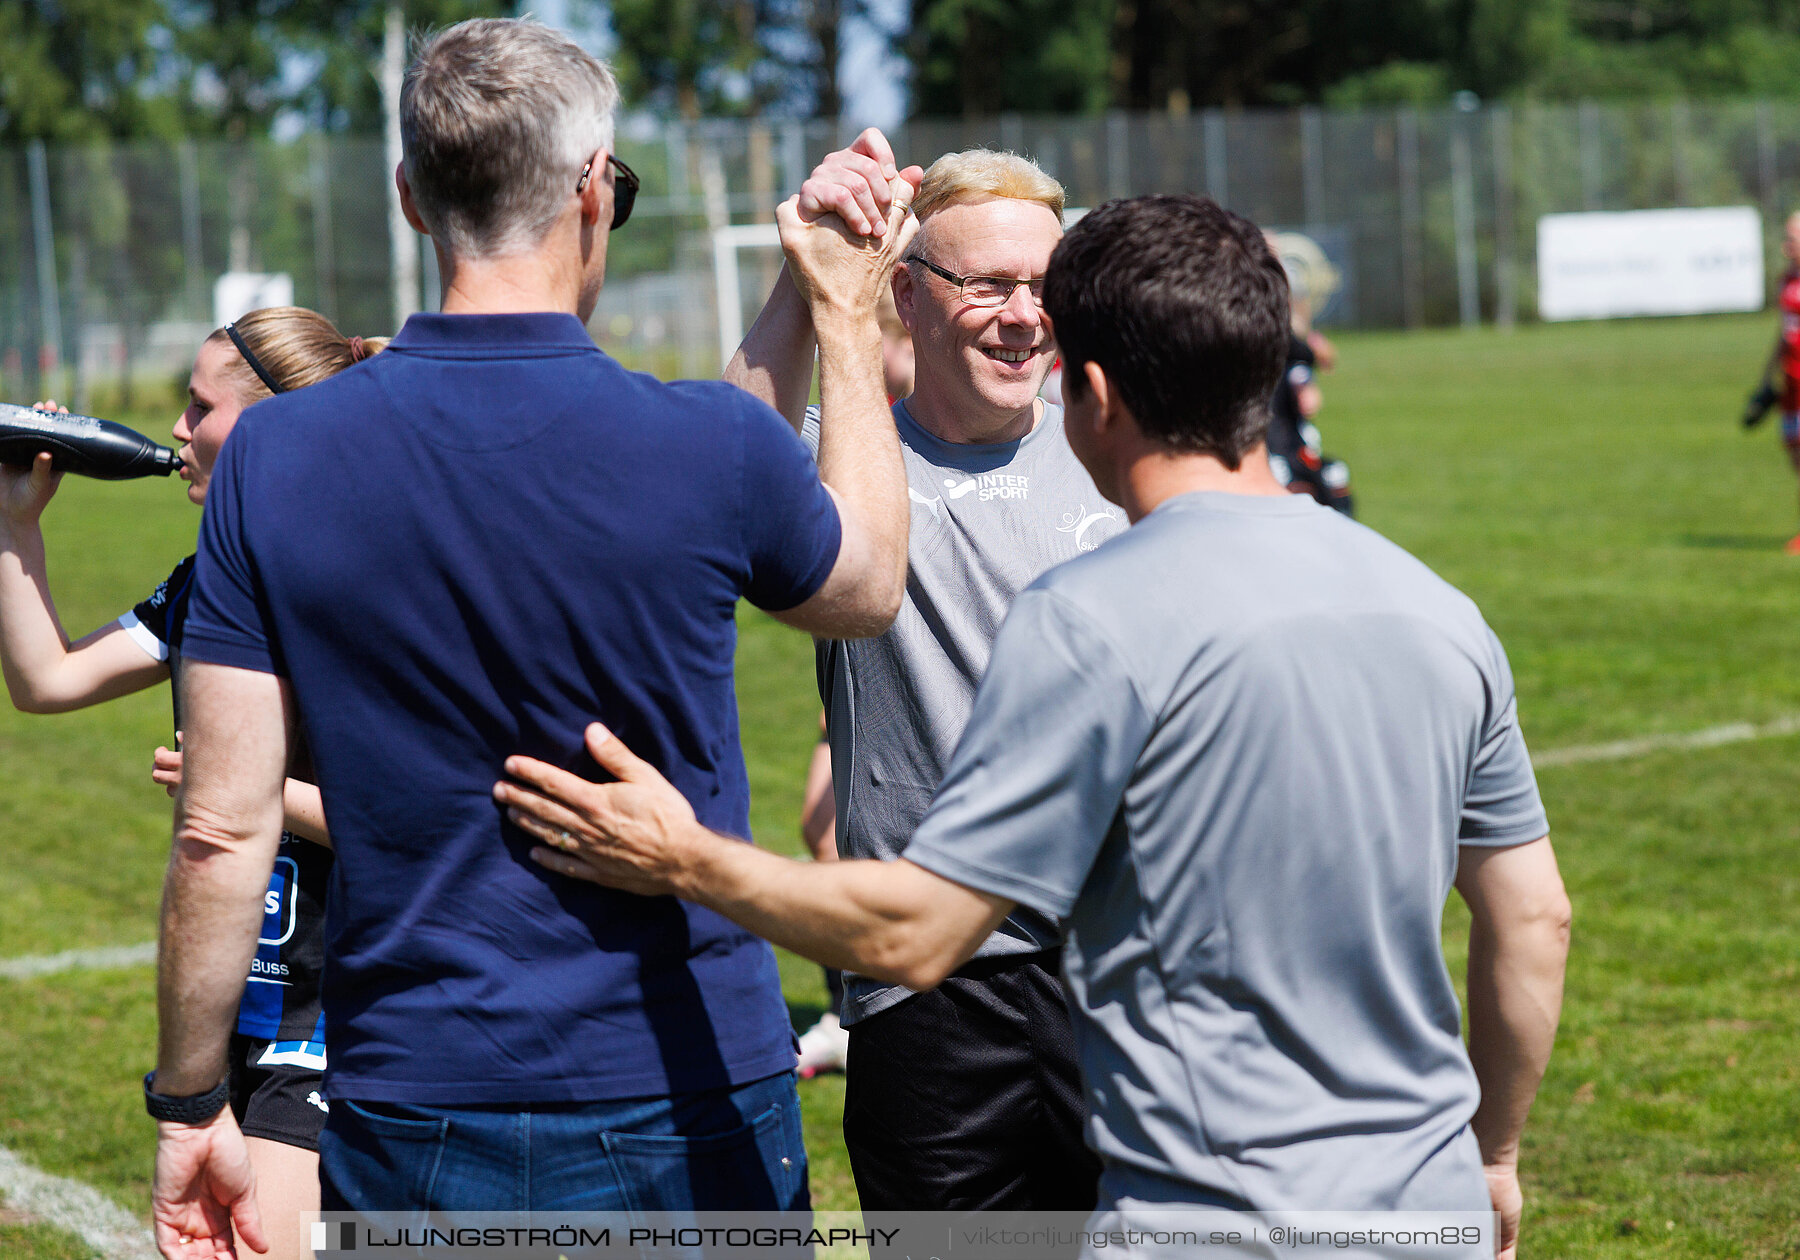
(848, 226)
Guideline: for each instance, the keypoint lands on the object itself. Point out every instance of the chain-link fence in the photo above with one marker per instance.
(108, 254)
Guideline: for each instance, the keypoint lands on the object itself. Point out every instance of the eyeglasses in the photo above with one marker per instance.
(625, 188)
(985, 290)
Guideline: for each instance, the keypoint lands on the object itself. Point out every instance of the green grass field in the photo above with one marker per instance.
(1587, 485)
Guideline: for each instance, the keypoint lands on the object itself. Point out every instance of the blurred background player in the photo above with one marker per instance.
(1296, 450)
(278, 1049)
(825, 1047)
(1784, 362)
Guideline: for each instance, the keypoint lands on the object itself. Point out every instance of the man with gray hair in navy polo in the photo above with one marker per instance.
(518, 535)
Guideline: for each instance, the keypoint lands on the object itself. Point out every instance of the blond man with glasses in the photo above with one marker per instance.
(966, 1097)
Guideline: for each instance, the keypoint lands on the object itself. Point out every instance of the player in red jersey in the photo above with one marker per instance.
(1784, 361)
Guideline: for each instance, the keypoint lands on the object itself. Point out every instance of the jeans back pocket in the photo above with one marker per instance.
(755, 1167)
(382, 1157)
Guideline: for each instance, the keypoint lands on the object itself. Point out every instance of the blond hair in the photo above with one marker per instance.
(295, 346)
(977, 173)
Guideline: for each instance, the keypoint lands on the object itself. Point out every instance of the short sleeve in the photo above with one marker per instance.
(150, 623)
(809, 430)
(1037, 781)
(1502, 806)
(791, 526)
(226, 624)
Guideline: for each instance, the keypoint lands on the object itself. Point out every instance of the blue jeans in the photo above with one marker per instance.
(732, 1149)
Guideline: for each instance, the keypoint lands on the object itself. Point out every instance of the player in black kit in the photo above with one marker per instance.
(278, 1048)
(1295, 454)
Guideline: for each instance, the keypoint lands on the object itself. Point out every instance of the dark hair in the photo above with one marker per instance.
(1185, 306)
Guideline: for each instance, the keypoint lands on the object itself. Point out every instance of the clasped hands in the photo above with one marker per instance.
(848, 226)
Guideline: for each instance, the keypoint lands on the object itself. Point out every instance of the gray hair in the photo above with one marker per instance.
(497, 117)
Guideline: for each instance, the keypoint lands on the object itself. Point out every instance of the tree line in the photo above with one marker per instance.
(73, 70)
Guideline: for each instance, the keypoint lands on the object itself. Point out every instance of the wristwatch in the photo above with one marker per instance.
(193, 1109)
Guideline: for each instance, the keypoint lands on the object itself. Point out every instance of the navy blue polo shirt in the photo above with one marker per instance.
(472, 545)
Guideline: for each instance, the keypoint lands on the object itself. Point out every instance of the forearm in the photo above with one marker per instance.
(1515, 985)
(859, 449)
(228, 816)
(775, 362)
(818, 831)
(818, 809)
(44, 672)
(891, 921)
(212, 911)
(304, 811)
(32, 641)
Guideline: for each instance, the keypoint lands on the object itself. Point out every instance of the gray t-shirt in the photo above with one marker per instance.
(1236, 751)
(986, 521)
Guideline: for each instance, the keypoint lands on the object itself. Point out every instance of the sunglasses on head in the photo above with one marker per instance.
(625, 188)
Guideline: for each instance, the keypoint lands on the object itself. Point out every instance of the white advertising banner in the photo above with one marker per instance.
(1650, 262)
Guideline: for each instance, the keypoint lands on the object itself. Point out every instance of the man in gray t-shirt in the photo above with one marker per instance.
(968, 1097)
(1247, 799)
(1244, 751)
(988, 519)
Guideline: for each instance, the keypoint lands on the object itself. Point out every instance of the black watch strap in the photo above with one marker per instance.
(194, 1109)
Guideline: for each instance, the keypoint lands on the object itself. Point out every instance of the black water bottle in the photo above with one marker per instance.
(81, 444)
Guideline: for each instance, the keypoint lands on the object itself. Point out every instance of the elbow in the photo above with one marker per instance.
(869, 617)
(204, 835)
(926, 974)
(1547, 921)
(196, 845)
(879, 607)
(1559, 918)
(921, 975)
(884, 606)
(27, 699)
(1551, 912)
(41, 689)
(902, 956)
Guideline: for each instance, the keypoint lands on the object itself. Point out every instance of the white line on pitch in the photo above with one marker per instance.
(78, 960)
(81, 1210)
(1712, 737)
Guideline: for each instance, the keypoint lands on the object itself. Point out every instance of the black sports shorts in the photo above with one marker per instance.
(967, 1098)
(281, 1102)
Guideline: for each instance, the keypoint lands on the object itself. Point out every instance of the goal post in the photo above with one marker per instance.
(727, 243)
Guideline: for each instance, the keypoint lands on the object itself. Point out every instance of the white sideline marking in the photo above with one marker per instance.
(81, 1210)
(1712, 737)
(78, 960)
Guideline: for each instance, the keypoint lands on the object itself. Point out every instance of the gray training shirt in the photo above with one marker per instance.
(986, 521)
(1236, 751)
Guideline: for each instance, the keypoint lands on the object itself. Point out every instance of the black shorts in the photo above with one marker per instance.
(968, 1098)
(280, 1102)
